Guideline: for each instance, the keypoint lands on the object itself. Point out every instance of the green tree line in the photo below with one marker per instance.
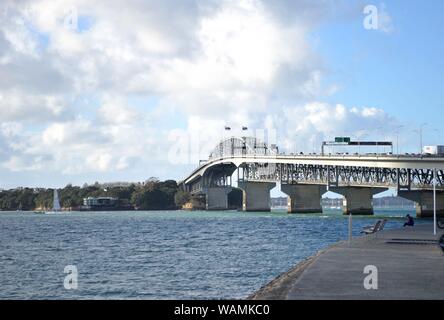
(150, 195)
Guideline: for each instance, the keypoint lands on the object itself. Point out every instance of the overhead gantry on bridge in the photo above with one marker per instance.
(305, 178)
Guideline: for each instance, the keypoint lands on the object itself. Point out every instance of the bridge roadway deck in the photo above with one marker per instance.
(407, 269)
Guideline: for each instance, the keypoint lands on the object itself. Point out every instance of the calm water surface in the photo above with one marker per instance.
(161, 255)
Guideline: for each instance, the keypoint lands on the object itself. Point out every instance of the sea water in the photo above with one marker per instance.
(162, 254)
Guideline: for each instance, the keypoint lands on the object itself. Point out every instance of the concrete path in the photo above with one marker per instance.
(409, 261)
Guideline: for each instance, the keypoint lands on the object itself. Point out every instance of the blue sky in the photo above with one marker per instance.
(126, 94)
(400, 71)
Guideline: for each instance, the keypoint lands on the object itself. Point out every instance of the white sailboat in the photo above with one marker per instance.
(55, 204)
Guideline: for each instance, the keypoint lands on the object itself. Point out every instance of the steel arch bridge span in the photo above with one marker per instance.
(415, 167)
(229, 150)
(259, 162)
(305, 178)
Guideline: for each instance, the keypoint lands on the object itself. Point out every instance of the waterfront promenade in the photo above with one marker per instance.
(409, 261)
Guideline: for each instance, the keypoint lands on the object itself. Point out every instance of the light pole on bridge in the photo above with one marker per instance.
(420, 134)
(397, 138)
(383, 138)
(420, 131)
(436, 136)
(359, 138)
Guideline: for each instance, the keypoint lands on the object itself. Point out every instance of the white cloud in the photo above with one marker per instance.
(10, 129)
(17, 164)
(18, 105)
(114, 110)
(209, 59)
(205, 64)
(19, 37)
(246, 57)
(316, 122)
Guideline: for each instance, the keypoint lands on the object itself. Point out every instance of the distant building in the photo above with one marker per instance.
(332, 203)
(279, 202)
(105, 204)
(100, 202)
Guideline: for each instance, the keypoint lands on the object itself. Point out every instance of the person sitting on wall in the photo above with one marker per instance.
(410, 222)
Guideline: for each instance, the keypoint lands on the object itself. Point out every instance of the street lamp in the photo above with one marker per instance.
(420, 135)
(295, 144)
(318, 136)
(381, 129)
(397, 138)
(436, 139)
(360, 137)
(315, 141)
(420, 131)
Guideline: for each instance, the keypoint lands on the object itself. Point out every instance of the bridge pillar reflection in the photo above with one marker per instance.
(256, 195)
(424, 202)
(303, 198)
(357, 200)
(217, 198)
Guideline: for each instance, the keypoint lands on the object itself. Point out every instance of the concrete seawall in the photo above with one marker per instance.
(409, 262)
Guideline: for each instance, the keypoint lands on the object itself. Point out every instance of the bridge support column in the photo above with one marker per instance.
(217, 198)
(424, 202)
(256, 195)
(357, 201)
(303, 198)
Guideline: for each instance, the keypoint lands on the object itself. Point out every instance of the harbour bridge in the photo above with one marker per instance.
(258, 167)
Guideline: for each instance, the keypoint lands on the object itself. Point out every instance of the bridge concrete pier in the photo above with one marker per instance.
(424, 202)
(217, 198)
(303, 198)
(256, 195)
(357, 200)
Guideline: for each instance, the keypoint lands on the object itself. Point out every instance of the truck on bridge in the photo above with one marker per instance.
(433, 150)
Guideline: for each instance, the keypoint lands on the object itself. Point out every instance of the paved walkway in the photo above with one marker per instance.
(409, 261)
